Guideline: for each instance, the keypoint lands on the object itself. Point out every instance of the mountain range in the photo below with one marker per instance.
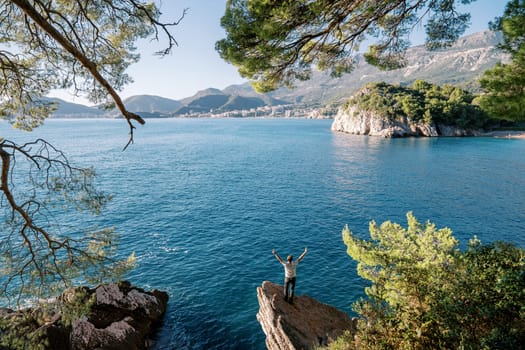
(460, 65)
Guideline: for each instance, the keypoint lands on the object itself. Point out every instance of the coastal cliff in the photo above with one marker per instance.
(352, 120)
(302, 325)
(423, 109)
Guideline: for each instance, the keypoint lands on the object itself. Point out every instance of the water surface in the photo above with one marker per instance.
(202, 202)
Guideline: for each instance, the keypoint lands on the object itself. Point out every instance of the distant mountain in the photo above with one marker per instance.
(203, 93)
(242, 90)
(236, 102)
(74, 110)
(461, 65)
(217, 101)
(147, 106)
(151, 105)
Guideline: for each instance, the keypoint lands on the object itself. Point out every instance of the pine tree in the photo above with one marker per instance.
(45, 45)
(276, 42)
(425, 293)
(504, 85)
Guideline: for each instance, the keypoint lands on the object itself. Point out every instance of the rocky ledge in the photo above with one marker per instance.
(120, 316)
(302, 325)
(359, 122)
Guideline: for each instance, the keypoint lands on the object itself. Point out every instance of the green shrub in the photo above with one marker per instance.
(425, 293)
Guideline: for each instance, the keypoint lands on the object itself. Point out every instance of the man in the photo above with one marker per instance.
(290, 267)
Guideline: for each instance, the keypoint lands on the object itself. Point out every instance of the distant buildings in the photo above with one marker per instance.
(280, 111)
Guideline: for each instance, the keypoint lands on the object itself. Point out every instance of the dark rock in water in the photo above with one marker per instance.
(302, 325)
(120, 316)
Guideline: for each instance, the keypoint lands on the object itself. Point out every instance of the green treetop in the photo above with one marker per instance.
(425, 293)
(85, 45)
(505, 84)
(276, 42)
(422, 102)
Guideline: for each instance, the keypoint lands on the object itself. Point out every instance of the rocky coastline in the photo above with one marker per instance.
(502, 134)
(120, 317)
(352, 120)
(359, 122)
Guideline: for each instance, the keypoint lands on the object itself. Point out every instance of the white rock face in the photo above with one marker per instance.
(355, 121)
(359, 122)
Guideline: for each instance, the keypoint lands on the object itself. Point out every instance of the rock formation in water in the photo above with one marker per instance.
(120, 318)
(352, 120)
(302, 325)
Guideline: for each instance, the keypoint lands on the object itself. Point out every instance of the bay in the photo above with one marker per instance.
(202, 202)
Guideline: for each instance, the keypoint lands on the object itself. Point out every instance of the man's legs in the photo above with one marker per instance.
(286, 286)
(292, 288)
(289, 284)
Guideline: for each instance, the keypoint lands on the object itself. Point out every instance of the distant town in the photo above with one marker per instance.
(281, 111)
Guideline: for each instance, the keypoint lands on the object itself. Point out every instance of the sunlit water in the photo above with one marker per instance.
(202, 202)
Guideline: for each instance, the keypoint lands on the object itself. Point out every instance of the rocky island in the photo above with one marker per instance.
(363, 122)
(424, 109)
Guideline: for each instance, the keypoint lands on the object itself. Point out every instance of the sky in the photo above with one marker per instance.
(194, 64)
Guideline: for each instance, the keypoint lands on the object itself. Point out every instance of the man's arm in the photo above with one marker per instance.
(302, 255)
(277, 256)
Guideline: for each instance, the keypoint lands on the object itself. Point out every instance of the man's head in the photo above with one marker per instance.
(289, 258)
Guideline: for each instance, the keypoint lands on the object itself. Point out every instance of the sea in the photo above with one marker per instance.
(202, 203)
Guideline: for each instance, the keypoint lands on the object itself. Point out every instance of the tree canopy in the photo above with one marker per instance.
(426, 293)
(504, 85)
(86, 46)
(276, 42)
(422, 102)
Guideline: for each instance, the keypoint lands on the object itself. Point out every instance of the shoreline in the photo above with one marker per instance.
(511, 134)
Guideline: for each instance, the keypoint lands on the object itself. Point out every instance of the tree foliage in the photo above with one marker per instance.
(40, 256)
(422, 102)
(81, 45)
(426, 293)
(84, 45)
(505, 84)
(277, 42)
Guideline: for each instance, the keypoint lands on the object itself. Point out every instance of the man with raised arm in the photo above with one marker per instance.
(290, 267)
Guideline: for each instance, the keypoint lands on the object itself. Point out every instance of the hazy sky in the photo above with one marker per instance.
(195, 65)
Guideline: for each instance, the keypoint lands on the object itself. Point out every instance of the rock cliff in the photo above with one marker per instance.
(302, 325)
(120, 317)
(354, 121)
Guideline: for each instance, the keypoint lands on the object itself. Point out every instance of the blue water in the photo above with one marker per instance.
(202, 202)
